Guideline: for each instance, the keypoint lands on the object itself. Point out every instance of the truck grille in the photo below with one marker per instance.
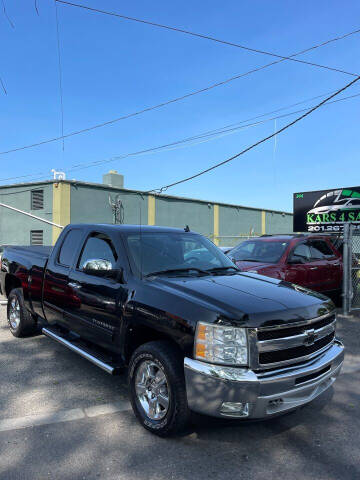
(289, 331)
(282, 345)
(291, 353)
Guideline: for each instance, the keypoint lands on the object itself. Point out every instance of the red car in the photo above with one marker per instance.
(311, 261)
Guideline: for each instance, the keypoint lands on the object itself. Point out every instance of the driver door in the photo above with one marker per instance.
(97, 313)
(298, 268)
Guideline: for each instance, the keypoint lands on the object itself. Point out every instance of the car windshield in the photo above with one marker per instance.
(259, 251)
(190, 254)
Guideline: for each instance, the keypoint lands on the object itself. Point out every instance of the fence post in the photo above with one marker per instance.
(346, 270)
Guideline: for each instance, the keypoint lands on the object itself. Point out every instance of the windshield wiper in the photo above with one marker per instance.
(177, 270)
(223, 269)
(248, 260)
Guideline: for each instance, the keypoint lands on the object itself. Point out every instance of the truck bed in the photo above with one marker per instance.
(27, 265)
(39, 250)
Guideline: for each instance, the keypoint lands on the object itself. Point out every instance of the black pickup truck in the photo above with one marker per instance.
(194, 333)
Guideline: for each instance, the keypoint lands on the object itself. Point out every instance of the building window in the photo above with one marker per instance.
(37, 199)
(37, 237)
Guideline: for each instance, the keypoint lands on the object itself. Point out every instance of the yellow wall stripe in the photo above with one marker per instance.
(263, 222)
(61, 207)
(216, 224)
(151, 209)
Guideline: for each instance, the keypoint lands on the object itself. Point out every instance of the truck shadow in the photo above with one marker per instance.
(318, 441)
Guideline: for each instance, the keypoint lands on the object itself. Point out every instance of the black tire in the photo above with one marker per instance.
(26, 325)
(170, 361)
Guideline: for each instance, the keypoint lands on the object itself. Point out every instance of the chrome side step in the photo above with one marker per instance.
(81, 351)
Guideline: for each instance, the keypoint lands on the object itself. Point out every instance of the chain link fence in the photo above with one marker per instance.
(355, 269)
(351, 258)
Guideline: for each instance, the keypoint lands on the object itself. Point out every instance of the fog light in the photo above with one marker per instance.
(235, 409)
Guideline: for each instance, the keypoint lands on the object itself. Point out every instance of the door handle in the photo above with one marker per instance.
(74, 285)
(314, 268)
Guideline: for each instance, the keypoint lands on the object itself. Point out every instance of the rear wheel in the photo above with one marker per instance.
(157, 388)
(21, 322)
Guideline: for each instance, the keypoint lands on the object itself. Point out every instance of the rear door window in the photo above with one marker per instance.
(69, 247)
(320, 250)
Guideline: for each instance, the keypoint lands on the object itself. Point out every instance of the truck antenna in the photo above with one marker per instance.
(141, 242)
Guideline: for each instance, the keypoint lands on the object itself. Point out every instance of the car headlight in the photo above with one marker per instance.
(221, 344)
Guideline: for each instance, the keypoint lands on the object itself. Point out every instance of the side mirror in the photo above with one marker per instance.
(103, 268)
(97, 266)
(295, 260)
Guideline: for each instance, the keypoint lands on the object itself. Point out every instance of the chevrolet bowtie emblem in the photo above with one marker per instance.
(310, 337)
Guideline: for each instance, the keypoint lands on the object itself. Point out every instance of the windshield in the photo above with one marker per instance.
(259, 251)
(157, 252)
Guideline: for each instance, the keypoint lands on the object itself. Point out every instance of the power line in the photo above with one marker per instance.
(6, 15)
(60, 75)
(208, 135)
(203, 36)
(16, 193)
(187, 179)
(3, 86)
(174, 100)
(227, 128)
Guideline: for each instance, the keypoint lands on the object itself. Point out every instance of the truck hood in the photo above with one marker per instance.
(248, 299)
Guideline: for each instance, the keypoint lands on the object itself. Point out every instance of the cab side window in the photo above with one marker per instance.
(98, 247)
(320, 250)
(69, 247)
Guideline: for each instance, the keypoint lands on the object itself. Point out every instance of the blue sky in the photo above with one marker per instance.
(113, 67)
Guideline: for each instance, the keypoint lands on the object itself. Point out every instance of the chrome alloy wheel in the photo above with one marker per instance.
(152, 390)
(14, 313)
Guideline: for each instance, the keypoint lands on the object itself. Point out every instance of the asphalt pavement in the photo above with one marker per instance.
(63, 418)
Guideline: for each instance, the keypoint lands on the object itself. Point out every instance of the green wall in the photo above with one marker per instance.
(15, 227)
(278, 222)
(235, 221)
(90, 204)
(173, 212)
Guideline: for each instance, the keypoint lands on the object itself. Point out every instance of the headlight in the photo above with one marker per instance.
(221, 344)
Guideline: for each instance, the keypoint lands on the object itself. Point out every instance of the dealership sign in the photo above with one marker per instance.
(326, 210)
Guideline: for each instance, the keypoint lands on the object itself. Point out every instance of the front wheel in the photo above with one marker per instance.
(157, 388)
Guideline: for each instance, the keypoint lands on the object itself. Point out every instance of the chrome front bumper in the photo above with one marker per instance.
(266, 393)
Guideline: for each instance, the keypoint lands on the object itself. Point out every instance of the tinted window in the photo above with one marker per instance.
(69, 247)
(338, 243)
(320, 250)
(153, 252)
(98, 247)
(259, 251)
(301, 251)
